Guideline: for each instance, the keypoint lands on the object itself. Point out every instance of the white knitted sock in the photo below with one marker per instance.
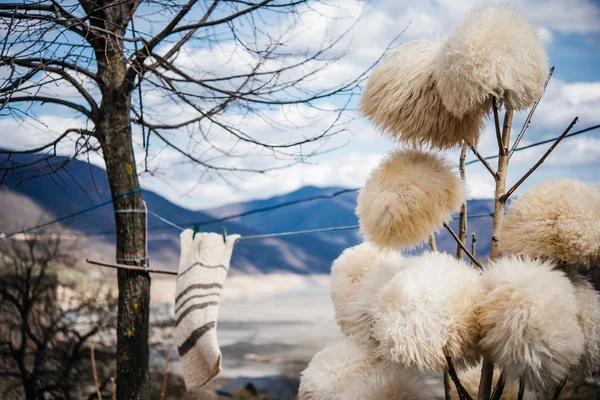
(203, 268)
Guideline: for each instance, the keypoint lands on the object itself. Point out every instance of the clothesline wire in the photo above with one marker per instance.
(33, 228)
(166, 221)
(335, 228)
(276, 206)
(254, 211)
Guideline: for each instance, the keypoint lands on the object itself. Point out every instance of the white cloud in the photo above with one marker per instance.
(546, 35)
(180, 182)
(563, 101)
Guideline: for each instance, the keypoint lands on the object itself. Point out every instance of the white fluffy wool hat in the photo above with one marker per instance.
(408, 197)
(588, 317)
(529, 321)
(348, 273)
(360, 309)
(493, 52)
(556, 220)
(429, 304)
(347, 371)
(401, 98)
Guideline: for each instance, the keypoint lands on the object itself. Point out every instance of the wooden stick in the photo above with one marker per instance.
(113, 388)
(464, 248)
(129, 267)
(462, 232)
(447, 389)
(462, 222)
(540, 162)
(559, 389)
(497, 394)
(432, 242)
(462, 392)
(163, 390)
(487, 375)
(528, 120)
(487, 367)
(95, 373)
(474, 245)
(483, 160)
(497, 124)
(521, 390)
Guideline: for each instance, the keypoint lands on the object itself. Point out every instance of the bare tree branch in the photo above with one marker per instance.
(540, 161)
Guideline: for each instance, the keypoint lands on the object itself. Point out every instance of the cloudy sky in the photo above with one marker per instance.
(569, 29)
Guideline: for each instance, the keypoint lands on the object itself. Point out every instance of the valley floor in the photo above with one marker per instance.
(269, 325)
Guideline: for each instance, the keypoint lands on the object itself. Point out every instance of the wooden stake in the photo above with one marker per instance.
(129, 267)
(487, 367)
(95, 373)
(163, 390)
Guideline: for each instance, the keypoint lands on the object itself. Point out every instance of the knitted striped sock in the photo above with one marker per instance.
(203, 268)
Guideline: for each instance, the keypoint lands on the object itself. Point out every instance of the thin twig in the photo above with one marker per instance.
(497, 394)
(462, 231)
(96, 383)
(463, 247)
(163, 390)
(447, 389)
(540, 162)
(113, 388)
(541, 142)
(462, 221)
(483, 161)
(497, 124)
(487, 375)
(529, 116)
(462, 392)
(559, 389)
(432, 242)
(521, 390)
(474, 245)
(129, 267)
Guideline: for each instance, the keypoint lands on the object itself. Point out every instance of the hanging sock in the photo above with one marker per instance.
(203, 268)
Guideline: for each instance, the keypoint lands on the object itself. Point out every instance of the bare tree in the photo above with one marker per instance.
(45, 327)
(91, 49)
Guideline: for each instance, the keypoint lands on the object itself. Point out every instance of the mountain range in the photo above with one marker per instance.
(27, 202)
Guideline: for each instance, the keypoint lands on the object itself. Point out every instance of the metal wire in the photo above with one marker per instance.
(33, 228)
(269, 235)
(166, 221)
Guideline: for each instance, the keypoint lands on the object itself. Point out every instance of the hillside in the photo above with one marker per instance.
(80, 185)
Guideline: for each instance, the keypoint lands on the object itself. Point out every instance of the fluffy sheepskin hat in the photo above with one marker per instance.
(470, 381)
(494, 52)
(588, 316)
(401, 98)
(408, 197)
(429, 304)
(529, 321)
(347, 274)
(359, 310)
(556, 220)
(346, 371)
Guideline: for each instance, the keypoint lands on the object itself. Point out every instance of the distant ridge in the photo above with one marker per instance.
(80, 185)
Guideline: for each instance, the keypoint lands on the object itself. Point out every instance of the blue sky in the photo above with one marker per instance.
(569, 29)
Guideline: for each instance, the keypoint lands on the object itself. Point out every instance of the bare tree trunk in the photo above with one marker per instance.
(114, 130)
(134, 287)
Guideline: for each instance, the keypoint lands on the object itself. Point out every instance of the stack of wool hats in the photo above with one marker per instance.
(529, 312)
